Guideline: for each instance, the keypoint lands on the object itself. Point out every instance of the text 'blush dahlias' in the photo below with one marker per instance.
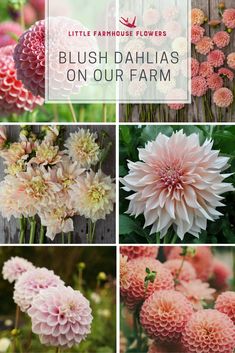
(164, 315)
(177, 182)
(29, 57)
(31, 283)
(225, 303)
(133, 252)
(136, 291)
(60, 316)
(15, 267)
(14, 97)
(209, 331)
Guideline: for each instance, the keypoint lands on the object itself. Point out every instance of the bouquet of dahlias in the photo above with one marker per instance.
(181, 303)
(55, 180)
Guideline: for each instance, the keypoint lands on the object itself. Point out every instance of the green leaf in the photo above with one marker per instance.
(127, 226)
(150, 132)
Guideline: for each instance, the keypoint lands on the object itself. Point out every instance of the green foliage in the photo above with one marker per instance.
(134, 137)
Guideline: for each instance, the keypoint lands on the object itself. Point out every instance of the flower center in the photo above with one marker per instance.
(38, 186)
(96, 193)
(171, 176)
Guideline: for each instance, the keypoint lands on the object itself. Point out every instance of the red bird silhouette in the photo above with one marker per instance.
(126, 22)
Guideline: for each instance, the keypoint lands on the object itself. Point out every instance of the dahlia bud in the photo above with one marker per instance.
(16, 4)
(102, 276)
(221, 5)
(229, 30)
(81, 265)
(214, 23)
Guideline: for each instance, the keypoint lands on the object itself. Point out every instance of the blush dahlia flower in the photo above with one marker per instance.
(94, 195)
(176, 182)
(224, 72)
(133, 252)
(229, 18)
(31, 283)
(199, 86)
(14, 97)
(209, 331)
(216, 58)
(221, 39)
(223, 97)
(206, 69)
(215, 82)
(135, 290)
(185, 272)
(194, 67)
(197, 16)
(201, 259)
(197, 32)
(29, 57)
(221, 275)
(15, 267)
(225, 303)
(164, 315)
(83, 148)
(8, 32)
(204, 45)
(231, 60)
(61, 317)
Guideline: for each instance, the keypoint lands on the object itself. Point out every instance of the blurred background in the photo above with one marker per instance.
(92, 270)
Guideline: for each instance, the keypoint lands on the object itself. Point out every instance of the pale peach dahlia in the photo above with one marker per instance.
(164, 315)
(225, 303)
(182, 271)
(209, 331)
(178, 183)
(137, 251)
(229, 18)
(231, 60)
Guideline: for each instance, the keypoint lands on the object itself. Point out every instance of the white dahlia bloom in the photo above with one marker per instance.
(178, 183)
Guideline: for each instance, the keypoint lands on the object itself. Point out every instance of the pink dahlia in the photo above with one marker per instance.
(39, 6)
(197, 292)
(229, 18)
(221, 39)
(197, 16)
(209, 331)
(15, 267)
(226, 73)
(200, 257)
(194, 67)
(176, 182)
(231, 60)
(14, 97)
(133, 252)
(157, 347)
(216, 58)
(197, 32)
(164, 315)
(223, 97)
(135, 275)
(221, 275)
(8, 32)
(206, 69)
(31, 283)
(185, 272)
(61, 317)
(225, 303)
(29, 57)
(215, 82)
(199, 86)
(204, 45)
(176, 106)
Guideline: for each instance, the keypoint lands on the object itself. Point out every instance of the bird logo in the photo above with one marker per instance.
(125, 22)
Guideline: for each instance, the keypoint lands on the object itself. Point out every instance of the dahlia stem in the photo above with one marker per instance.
(104, 113)
(22, 229)
(17, 320)
(63, 240)
(179, 270)
(233, 268)
(137, 330)
(32, 230)
(22, 23)
(158, 241)
(93, 225)
(57, 350)
(72, 112)
(174, 239)
(42, 234)
(55, 113)
(69, 237)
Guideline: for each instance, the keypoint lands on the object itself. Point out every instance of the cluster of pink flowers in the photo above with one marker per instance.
(183, 312)
(54, 180)
(60, 315)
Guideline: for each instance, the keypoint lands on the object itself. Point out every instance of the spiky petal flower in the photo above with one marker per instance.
(209, 331)
(133, 252)
(225, 303)
(31, 283)
(177, 182)
(83, 148)
(94, 195)
(137, 290)
(180, 270)
(15, 267)
(29, 57)
(14, 97)
(164, 315)
(61, 317)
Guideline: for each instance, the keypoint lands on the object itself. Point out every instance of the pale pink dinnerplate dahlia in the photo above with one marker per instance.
(15, 267)
(177, 182)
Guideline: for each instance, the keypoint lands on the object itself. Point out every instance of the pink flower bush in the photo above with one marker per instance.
(29, 57)
(225, 303)
(197, 32)
(60, 316)
(31, 283)
(8, 30)
(216, 58)
(199, 86)
(214, 82)
(221, 39)
(15, 267)
(164, 315)
(165, 188)
(14, 97)
(223, 97)
(229, 18)
(133, 252)
(204, 45)
(209, 331)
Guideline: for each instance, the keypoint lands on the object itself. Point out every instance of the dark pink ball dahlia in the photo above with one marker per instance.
(14, 97)
(8, 31)
(164, 315)
(29, 57)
